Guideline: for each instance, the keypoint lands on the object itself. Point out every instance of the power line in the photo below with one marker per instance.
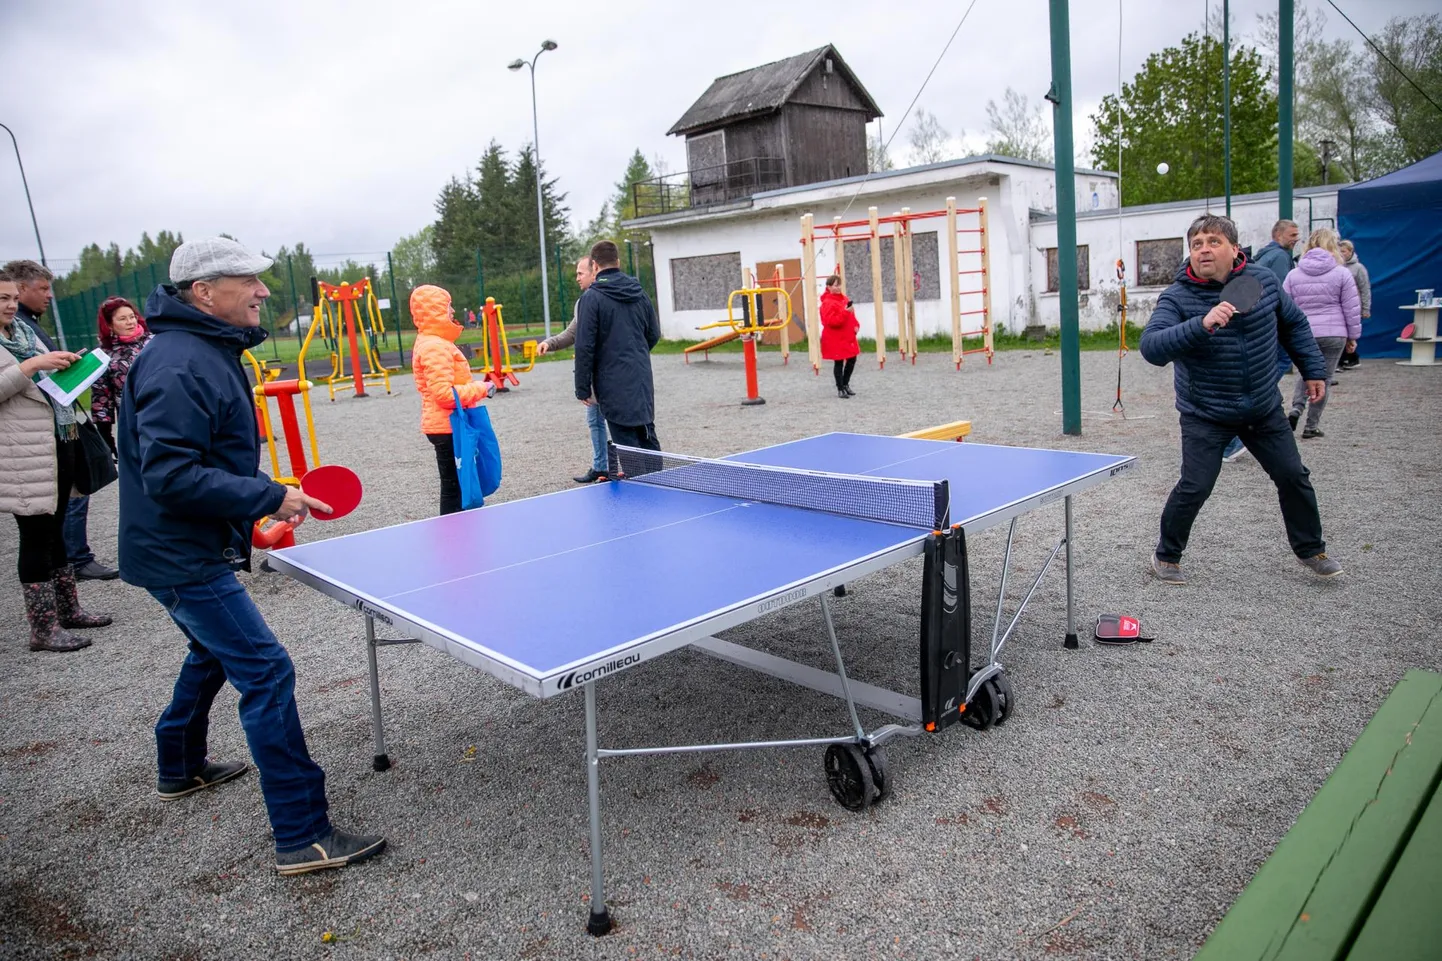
(1385, 58)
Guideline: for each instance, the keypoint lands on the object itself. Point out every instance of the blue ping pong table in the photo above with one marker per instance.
(807, 516)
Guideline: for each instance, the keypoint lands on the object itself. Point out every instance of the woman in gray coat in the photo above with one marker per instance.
(39, 451)
(1364, 291)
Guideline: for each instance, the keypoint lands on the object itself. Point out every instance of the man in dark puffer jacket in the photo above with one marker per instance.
(1226, 382)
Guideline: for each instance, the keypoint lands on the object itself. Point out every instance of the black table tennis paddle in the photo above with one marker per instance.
(1242, 292)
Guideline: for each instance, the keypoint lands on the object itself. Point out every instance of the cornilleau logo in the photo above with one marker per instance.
(371, 612)
(600, 670)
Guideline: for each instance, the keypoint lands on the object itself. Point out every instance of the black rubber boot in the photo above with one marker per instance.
(67, 603)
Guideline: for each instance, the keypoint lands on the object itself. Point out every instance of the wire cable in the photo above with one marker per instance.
(1386, 59)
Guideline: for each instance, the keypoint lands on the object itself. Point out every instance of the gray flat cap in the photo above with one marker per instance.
(213, 257)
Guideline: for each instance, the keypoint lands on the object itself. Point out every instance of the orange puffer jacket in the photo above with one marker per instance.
(437, 362)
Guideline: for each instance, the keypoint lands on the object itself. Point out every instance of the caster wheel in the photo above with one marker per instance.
(981, 712)
(880, 776)
(1006, 697)
(848, 775)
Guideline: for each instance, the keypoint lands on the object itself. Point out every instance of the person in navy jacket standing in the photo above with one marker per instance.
(190, 490)
(1226, 382)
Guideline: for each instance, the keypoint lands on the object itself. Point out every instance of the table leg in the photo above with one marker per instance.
(1071, 639)
(600, 920)
(381, 761)
(841, 669)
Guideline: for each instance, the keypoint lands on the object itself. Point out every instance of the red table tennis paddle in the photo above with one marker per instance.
(1408, 331)
(337, 486)
(1242, 292)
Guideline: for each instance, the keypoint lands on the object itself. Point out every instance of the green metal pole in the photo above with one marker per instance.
(1285, 68)
(1227, 103)
(631, 258)
(480, 282)
(396, 310)
(1060, 96)
(294, 297)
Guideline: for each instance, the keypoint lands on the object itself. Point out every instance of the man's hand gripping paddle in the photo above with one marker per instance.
(335, 485)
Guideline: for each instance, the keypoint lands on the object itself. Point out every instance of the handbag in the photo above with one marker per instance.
(95, 469)
(477, 453)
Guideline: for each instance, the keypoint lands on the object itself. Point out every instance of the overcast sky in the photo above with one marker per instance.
(336, 123)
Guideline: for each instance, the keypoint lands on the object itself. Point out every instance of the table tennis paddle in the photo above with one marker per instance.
(1242, 292)
(337, 486)
(1408, 331)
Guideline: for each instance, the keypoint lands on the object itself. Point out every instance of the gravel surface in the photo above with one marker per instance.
(1117, 816)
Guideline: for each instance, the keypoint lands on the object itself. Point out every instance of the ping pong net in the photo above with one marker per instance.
(912, 503)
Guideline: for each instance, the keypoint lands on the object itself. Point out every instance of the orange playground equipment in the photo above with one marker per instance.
(969, 268)
(750, 326)
(338, 315)
(495, 360)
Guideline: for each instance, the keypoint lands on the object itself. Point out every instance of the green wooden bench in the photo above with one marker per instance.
(1359, 876)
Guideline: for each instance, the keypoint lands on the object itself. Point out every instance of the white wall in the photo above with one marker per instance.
(1105, 237)
(770, 231)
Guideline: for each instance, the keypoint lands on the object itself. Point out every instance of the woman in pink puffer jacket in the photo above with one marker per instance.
(1327, 294)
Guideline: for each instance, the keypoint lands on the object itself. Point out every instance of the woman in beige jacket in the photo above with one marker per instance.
(38, 455)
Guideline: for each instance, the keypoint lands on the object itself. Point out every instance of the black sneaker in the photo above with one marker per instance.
(1309, 432)
(591, 476)
(849, 391)
(841, 392)
(335, 850)
(214, 772)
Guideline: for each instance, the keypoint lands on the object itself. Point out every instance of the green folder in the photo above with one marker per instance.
(68, 384)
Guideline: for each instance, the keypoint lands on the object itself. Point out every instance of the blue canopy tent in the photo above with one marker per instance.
(1395, 222)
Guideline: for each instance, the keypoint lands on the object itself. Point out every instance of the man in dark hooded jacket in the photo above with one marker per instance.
(1226, 380)
(615, 331)
(190, 489)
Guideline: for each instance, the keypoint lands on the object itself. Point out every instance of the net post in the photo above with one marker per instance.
(942, 496)
(613, 459)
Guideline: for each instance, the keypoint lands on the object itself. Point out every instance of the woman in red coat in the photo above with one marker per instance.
(838, 335)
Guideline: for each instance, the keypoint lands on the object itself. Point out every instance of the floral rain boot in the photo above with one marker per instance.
(46, 634)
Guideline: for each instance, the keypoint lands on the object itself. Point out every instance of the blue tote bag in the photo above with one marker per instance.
(478, 453)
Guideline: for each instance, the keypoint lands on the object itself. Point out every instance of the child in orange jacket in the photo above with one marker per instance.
(440, 368)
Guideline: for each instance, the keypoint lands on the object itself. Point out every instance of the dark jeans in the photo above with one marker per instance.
(42, 536)
(643, 435)
(1271, 442)
(450, 479)
(229, 641)
(841, 370)
(77, 540)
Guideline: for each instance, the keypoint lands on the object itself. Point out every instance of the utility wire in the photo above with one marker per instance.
(1386, 59)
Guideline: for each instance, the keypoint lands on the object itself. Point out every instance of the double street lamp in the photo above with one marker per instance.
(34, 223)
(540, 208)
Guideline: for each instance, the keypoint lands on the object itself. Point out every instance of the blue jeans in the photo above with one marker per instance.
(597, 422)
(77, 542)
(229, 641)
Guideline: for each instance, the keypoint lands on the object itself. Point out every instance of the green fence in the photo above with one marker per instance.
(519, 293)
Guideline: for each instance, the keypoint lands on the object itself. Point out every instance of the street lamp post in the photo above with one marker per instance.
(59, 329)
(540, 208)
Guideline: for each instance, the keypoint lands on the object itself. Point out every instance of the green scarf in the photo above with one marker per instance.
(22, 344)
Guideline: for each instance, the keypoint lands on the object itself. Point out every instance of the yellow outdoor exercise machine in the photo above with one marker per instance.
(751, 325)
(496, 368)
(348, 315)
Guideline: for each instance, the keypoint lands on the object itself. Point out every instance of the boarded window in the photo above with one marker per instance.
(1083, 269)
(926, 269)
(704, 283)
(1157, 261)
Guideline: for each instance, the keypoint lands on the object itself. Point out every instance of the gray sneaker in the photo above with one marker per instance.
(1167, 572)
(214, 772)
(1321, 565)
(335, 850)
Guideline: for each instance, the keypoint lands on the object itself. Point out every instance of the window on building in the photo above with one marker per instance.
(704, 283)
(1157, 261)
(1083, 269)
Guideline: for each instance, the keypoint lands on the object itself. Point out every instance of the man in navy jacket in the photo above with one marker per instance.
(616, 327)
(1226, 381)
(190, 490)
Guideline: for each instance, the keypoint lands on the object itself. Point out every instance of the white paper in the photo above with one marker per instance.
(384, 303)
(55, 391)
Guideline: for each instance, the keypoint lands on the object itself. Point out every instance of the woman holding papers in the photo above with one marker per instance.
(39, 454)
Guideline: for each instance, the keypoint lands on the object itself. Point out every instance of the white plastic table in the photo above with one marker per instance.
(1424, 339)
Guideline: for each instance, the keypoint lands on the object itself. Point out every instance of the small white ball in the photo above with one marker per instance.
(1162, 168)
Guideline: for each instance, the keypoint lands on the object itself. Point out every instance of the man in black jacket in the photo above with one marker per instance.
(190, 488)
(615, 331)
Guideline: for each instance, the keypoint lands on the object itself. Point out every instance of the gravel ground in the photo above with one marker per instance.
(1117, 816)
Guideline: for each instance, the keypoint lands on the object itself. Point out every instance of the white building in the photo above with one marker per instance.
(700, 252)
(1151, 240)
